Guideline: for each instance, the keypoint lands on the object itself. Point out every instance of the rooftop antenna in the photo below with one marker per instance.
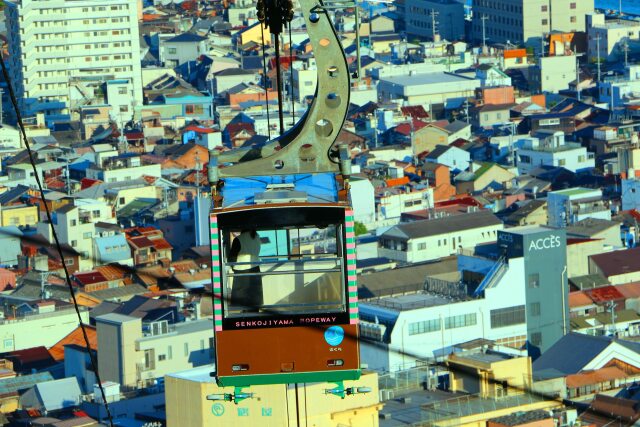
(598, 55)
(434, 24)
(484, 32)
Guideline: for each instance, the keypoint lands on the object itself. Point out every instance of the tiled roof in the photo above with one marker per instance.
(595, 377)
(579, 299)
(75, 337)
(90, 277)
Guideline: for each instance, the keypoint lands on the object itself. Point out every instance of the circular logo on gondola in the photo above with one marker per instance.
(334, 335)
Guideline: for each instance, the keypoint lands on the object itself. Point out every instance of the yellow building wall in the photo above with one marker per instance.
(271, 406)
(27, 215)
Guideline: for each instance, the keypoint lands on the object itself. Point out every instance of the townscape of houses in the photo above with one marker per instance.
(496, 185)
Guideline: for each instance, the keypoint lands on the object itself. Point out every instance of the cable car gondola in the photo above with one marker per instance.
(283, 243)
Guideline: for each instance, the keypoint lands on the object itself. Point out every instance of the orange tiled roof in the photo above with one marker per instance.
(595, 377)
(579, 299)
(75, 337)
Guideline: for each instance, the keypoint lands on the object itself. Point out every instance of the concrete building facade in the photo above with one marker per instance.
(63, 51)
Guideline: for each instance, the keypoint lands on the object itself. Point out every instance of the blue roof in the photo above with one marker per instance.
(320, 188)
(23, 382)
(573, 352)
(112, 248)
(80, 166)
(59, 394)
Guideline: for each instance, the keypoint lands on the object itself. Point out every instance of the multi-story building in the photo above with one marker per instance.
(62, 52)
(187, 405)
(133, 352)
(448, 13)
(516, 297)
(431, 239)
(75, 225)
(123, 168)
(549, 148)
(609, 37)
(28, 324)
(527, 21)
(566, 207)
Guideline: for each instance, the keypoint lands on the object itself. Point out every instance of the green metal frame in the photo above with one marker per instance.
(289, 378)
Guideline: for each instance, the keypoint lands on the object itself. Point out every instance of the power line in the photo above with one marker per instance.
(92, 357)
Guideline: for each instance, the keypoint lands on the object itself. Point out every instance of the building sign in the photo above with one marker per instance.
(543, 243)
(283, 321)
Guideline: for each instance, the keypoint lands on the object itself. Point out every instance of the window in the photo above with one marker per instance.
(96, 213)
(507, 316)
(545, 22)
(162, 357)
(424, 326)
(534, 280)
(74, 243)
(8, 344)
(170, 352)
(87, 235)
(186, 349)
(122, 90)
(121, 201)
(124, 108)
(460, 321)
(201, 345)
(536, 338)
(68, 261)
(534, 309)
(572, 5)
(562, 162)
(422, 246)
(172, 50)
(544, 8)
(572, 19)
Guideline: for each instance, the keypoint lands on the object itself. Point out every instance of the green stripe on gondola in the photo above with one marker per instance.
(215, 247)
(288, 378)
(351, 262)
(353, 294)
(353, 305)
(215, 267)
(218, 323)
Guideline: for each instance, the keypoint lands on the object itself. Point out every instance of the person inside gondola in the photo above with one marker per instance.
(247, 287)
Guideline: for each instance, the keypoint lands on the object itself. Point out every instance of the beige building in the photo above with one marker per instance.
(134, 353)
(527, 21)
(271, 406)
(19, 215)
(489, 374)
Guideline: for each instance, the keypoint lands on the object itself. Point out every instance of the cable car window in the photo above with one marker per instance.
(296, 270)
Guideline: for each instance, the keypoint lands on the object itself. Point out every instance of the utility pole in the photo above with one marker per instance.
(598, 55)
(197, 174)
(611, 306)
(625, 47)
(578, 78)
(434, 24)
(484, 32)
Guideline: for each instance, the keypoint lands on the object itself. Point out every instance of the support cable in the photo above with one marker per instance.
(264, 76)
(293, 106)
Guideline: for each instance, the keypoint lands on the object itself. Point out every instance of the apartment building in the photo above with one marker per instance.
(525, 20)
(449, 19)
(133, 352)
(431, 239)
(62, 53)
(549, 148)
(609, 36)
(566, 207)
(76, 226)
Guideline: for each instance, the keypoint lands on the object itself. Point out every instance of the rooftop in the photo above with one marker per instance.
(410, 301)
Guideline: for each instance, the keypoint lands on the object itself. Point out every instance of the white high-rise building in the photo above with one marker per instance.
(62, 53)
